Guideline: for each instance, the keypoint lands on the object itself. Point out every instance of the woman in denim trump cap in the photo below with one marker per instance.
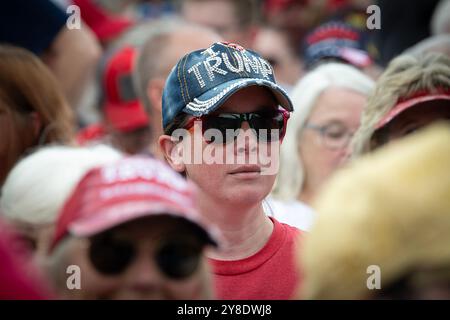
(224, 103)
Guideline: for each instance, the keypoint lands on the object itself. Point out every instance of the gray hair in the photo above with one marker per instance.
(438, 44)
(440, 21)
(304, 97)
(150, 63)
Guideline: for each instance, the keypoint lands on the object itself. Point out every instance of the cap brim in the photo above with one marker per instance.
(127, 116)
(121, 213)
(213, 99)
(403, 106)
(356, 57)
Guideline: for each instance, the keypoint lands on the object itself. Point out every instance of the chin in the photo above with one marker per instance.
(246, 195)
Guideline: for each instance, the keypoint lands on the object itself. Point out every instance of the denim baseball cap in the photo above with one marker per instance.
(204, 79)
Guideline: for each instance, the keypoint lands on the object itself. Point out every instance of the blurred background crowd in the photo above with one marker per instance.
(362, 174)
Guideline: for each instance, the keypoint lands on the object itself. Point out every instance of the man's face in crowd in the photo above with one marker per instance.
(220, 16)
(179, 44)
(274, 47)
(236, 182)
(132, 142)
(150, 258)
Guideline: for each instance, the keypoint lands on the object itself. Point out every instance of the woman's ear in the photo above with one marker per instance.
(173, 152)
(36, 123)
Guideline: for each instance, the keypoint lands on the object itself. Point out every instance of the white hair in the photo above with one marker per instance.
(304, 96)
(439, 44)
(37, 187)
(440, 21)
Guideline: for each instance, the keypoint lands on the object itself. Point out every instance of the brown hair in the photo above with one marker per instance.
(29, 89)
(180, 121)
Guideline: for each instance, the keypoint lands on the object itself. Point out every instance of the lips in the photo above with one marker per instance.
(247, 169)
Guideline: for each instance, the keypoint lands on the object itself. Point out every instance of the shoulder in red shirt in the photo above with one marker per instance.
(269, 274)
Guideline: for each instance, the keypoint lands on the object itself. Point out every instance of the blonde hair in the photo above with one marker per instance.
(304, 96)
(405, 76)
(37, 187)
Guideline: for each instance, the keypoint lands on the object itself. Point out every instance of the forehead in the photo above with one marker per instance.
(212, 13)
(270, 41)
(338, 103)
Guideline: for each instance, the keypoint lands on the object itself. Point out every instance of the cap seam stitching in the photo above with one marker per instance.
(185, 82)
(181, 84)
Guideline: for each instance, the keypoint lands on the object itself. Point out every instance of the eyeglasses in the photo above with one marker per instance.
(177, 258)
(334, 135)
(267, 126)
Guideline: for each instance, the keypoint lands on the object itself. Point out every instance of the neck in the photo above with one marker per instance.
(243, 230)
(157, 131)
(306, 195)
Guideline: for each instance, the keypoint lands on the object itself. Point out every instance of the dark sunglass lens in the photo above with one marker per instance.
(178, 260)
(268, 126)
(225, 125)
(110, 256)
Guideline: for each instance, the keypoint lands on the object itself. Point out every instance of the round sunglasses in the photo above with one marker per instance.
(267, 125)
(177, 258)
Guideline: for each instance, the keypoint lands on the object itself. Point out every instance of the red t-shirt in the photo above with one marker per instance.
(269, 274)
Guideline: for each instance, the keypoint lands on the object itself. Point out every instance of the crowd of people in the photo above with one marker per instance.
(224, 149)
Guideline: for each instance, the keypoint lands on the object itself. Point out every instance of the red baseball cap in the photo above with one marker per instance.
(132, 188)
(336, 39)
(90, 134)
(104, 25)
(405, 104)
(122, 108)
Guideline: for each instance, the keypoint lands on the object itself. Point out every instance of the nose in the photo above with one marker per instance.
(246, 141)
(144, 278)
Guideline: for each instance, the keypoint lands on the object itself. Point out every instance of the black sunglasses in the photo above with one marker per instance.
(177, 258)
(267, 126)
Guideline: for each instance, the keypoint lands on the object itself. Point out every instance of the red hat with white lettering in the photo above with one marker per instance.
(133, 188)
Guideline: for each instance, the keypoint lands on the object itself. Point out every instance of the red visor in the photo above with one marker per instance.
(406, 104)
